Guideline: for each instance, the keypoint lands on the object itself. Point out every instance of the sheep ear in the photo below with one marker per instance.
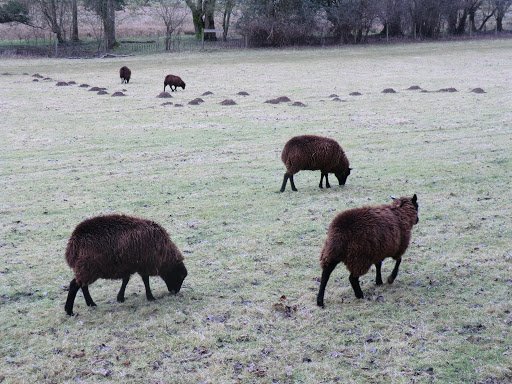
(414, 199)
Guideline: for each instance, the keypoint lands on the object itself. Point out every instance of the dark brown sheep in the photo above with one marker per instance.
(117, 246)
(173, 81)
(364, 236)
(314, 153)
(125, 74)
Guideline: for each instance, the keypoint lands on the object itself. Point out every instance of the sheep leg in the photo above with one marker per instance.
(73, 289)
(149, 295)
(120, 295)
(326, 273)
(292, 184)
(285, 179)
(354, 281)
(393, 275)
(87, 296)
(378, 279)
(327, 185)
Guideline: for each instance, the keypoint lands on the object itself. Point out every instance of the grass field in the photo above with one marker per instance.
(210, 174)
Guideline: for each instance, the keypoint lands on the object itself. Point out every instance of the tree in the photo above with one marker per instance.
(105, 9)
(226, 16)
(54, 13)
(502, 7)
(74, 32)
(203, 17)
(172, 15)
(14, 11)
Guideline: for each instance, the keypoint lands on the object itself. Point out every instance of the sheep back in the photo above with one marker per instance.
(116, 246)
(310, 152)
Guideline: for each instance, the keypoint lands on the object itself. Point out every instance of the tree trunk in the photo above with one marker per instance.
(109, 24)
(225, 19)
(197, 15)
(74, 34)
(209, 21)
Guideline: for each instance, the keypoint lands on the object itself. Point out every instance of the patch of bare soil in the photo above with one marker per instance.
(84, 85)
(355, 94)
(37, 75)
(35, 80)
(61, 84)
(333, 95)
(102, 92)
(207, 93)
(414, 88)
(228, 102)
(164, 95)
(96, 89)
(338, 99)
(298, 104)
(118, 93)
(389, 90)
(48, 78)
(167, 103)
(243, 93)
(196, 101)
(447, 90)
(478, 90)
(281, 99)
(272, 101)
(178, 105)
(71, 82)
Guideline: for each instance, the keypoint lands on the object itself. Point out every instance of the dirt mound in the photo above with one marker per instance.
(178, 105)
(243, 93)
(333, 95)
(450, 90)
(167, 103)
(61, 84)
(48, 78)
(355, 94)
(35, 80)
(102, 92)
(84, 85)
(228, 102)
(37, 76)
(283, 99)
(164, 95)
(298, 104)
(118, 93)
(389, 90)
(207, 93)
(96, 89)
(272, 101)
(478, 90)
(71, 82)
(414, 88)
(338, 99)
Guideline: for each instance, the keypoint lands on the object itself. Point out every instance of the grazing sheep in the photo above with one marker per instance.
(364, 236)
(171, 80)
(125, 74)
(314, 153)
(117, 246)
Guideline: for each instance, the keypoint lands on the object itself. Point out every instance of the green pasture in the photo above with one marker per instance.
(210, 174)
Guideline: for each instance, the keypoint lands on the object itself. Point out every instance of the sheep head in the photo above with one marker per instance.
(174, 277)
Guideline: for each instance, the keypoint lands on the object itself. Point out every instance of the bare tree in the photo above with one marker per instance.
(203, 16)
(172, 14)
(226, 16)
(54, 13)
(502, 7)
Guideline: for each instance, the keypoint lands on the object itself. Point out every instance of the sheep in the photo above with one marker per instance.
(172, 80)
(313, 153)
(117, 246)
(364, 236)
(125, 74)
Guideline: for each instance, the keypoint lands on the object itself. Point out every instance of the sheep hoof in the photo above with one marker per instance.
(120, 299)
(294, 189)
(378, 282)
(391, 279)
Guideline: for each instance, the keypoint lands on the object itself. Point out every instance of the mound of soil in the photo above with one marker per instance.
(243, 93)
(272, 101)
(164, 95)
(167, 103)
(37, 75)
(355, 94)
(447, 90)
(228, 102)
(35, 80)
(71, 82)
(47, 78)
(96, 89)
(283, 99)
(298, 104)
(338, 99)
(414, 88)
(5, 74)
(333, 95)
(207, 93)
(178, 105)
(196, 101)
(118, 93)
(102, 92)
(389, 90)
(61, 84)
(478, 90)
(84, 85)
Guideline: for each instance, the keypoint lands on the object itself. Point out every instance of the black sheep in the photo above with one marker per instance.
(364, 236)
(313, 153)
(173, 81)
(125, 74)
(117, 246)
